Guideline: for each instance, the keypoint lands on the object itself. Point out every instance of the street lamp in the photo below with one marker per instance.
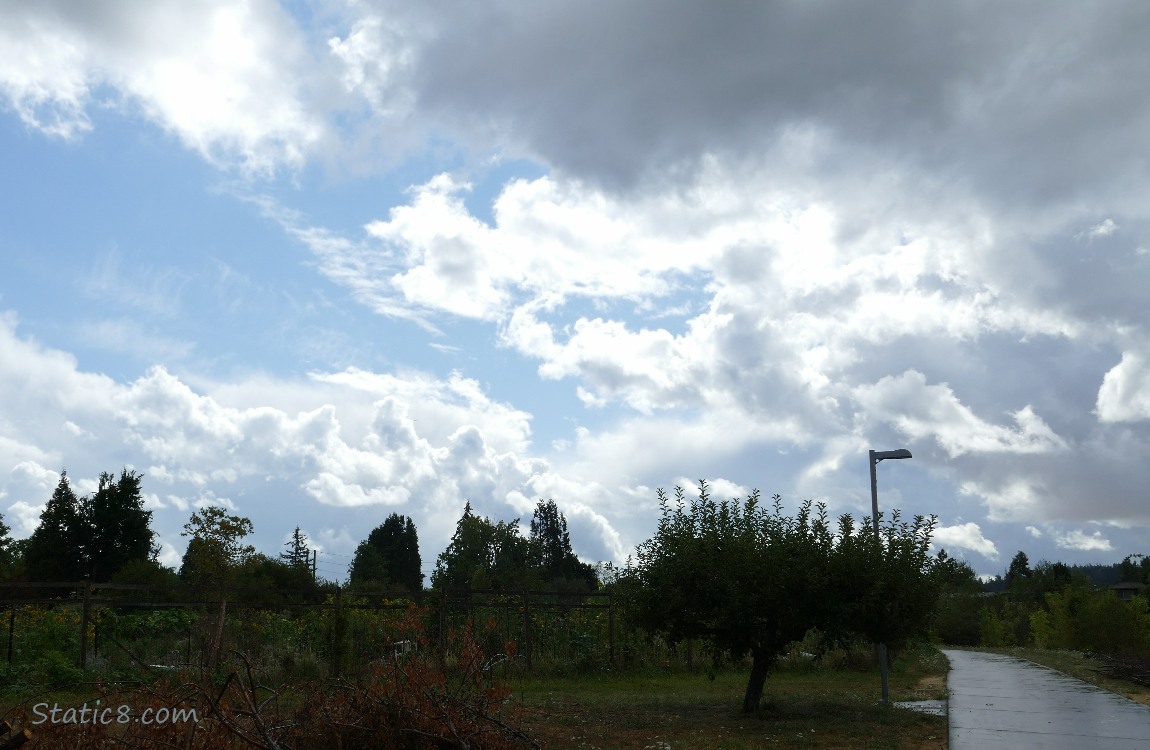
(875, 457)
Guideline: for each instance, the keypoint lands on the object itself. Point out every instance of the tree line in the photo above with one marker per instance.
(742, 575)
(1053, 605)
(107, 536)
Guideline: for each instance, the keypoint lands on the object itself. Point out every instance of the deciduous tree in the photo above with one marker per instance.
(483, 554)
(753, 580)
(215, 548)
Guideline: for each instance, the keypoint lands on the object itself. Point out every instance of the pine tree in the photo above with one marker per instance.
(57, 549)
(93, 536)
(551, 552)
(298, 554)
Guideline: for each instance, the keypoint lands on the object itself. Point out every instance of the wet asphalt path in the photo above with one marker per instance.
(1002, 702)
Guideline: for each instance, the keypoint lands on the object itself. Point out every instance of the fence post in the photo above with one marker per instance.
(11, 630)
(527, 628)
(443, 599)
(611, 625)
(84, 625)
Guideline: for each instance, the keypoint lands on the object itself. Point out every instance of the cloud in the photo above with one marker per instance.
(1080, 540)
(965, 536)
(1103, 229)
(826, 315)
(919, 410)
(225, 78)
(1124, 395)
(645, 92)
(408, 441)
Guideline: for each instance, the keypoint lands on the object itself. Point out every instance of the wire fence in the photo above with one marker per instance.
(314, 632)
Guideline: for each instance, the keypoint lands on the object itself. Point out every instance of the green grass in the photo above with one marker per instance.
(683, 710)
(674, 708)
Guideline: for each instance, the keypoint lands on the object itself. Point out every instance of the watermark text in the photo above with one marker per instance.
(122, 714)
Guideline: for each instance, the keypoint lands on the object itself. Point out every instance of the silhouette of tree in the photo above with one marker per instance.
(389, 556)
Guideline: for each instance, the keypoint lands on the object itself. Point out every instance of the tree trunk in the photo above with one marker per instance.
(760, 667)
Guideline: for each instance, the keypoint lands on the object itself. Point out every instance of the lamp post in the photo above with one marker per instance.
(875, 457)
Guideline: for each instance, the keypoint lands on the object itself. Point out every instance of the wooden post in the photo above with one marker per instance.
(527, 628)
(443, 599)
(11, 630)
(217, 641)
(84, 625)
(611, 626)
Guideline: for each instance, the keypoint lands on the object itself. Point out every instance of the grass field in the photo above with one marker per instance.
(814, 709)
(684, 710)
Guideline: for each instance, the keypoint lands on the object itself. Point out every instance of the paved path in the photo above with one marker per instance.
(1002, 702)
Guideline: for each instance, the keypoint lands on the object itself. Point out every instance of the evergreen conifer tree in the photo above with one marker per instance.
(119, 528)
(57, 549)
(390, 556)
(298, 554)
(551, 552)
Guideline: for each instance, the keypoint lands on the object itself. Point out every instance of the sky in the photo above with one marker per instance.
(320, 261)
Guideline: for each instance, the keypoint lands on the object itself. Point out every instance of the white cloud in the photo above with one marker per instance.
(408, 441)
(1103, 229)
(1080, 540)
(965, 536)
(1124, 395)
(1034, 532)
(223, 77)
(919, 411)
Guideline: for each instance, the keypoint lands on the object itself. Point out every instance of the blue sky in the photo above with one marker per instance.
(323, 261)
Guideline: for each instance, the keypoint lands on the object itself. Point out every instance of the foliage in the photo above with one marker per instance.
(119, 528)
(1018, 571)
(215, 550)
(94, 536)
(389, 556)
(55, 551)
(956, 620)
(954, 576)
(1082, 620)
(482, 555)
(298, 554)
(7, 551)
(1135, 569)
(551, 554)
(753, 580)
(400, 702)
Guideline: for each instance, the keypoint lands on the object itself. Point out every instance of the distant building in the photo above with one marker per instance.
(1127, 590)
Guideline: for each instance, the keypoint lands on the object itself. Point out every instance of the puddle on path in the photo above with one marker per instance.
(935, 708)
